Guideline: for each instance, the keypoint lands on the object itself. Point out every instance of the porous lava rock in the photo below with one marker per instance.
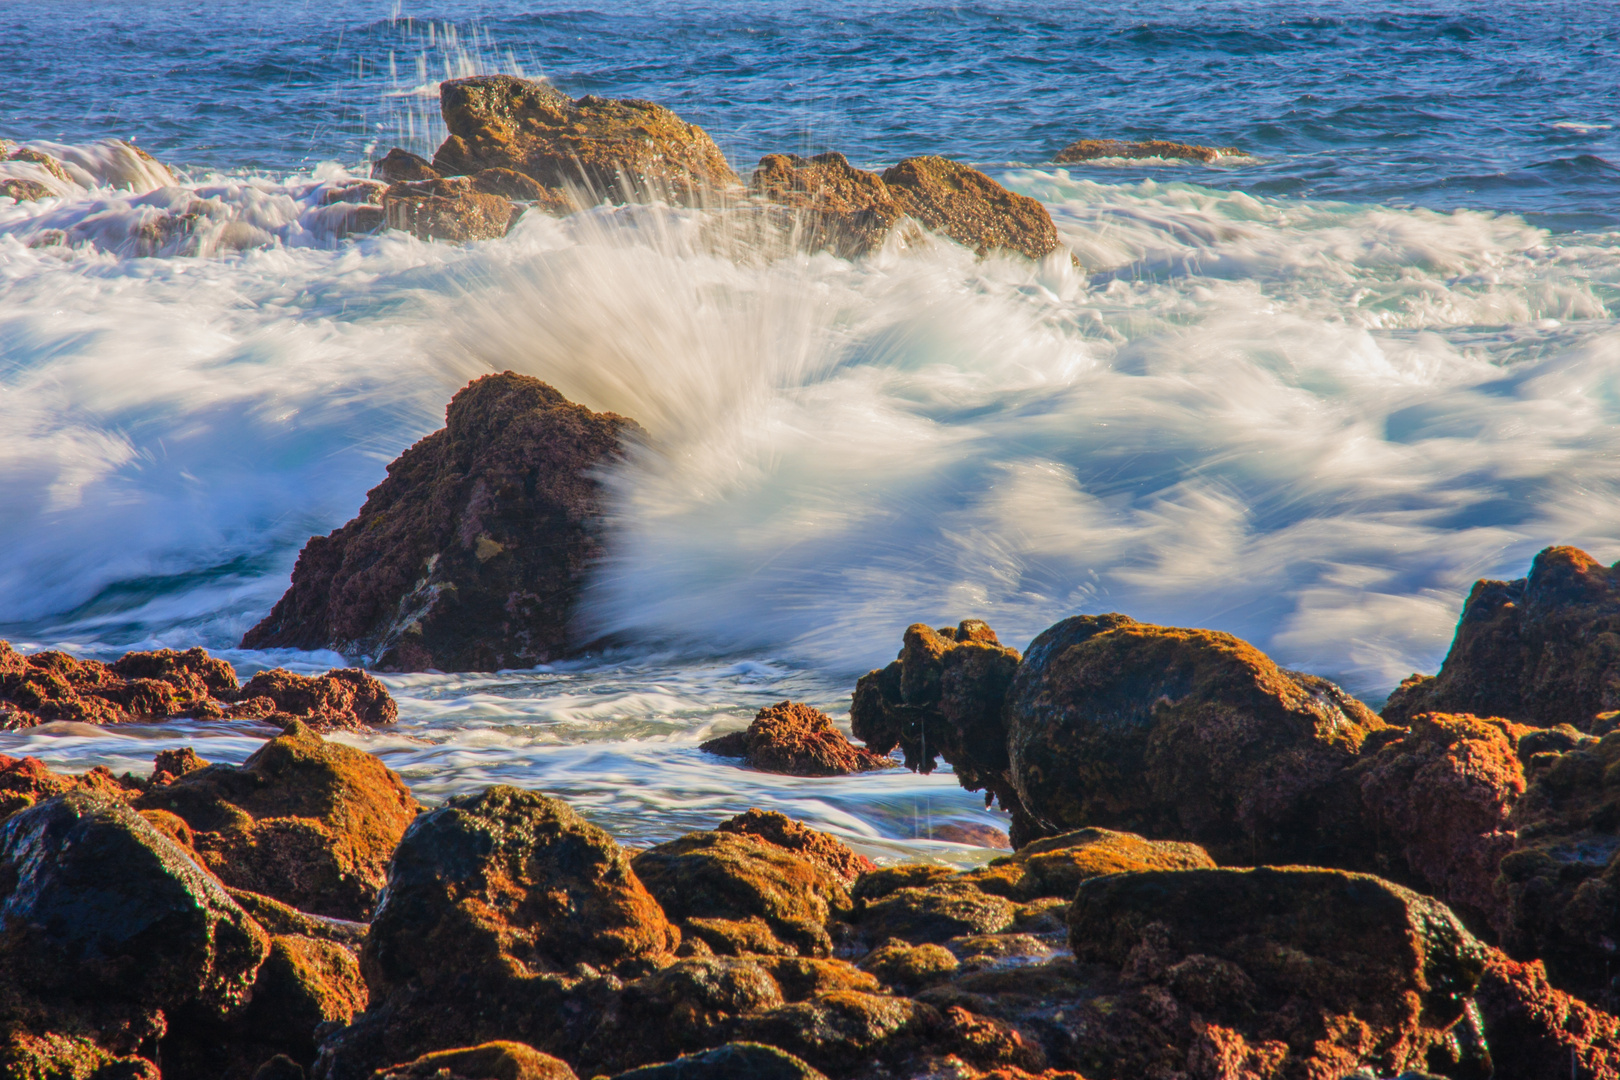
(498, 1060)
(1187, 735)
(1092, 149)
(308, 822)
(839, 208)
(1320, 972)
(1439, 800)
(1056, 865)
(942, 697)
(1543, 650)
(970, 208)
(731, 1061)
(624, 150)
(1537, 1032)
(703, 877)
(471, 554)
(777, 828)
(344, 699)
(793, 738)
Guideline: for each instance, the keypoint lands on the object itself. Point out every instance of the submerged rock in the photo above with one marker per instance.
(1543, 650)
(308, 822)
(626, 151)
(1092, 149)
(793, 738)
(471, 554)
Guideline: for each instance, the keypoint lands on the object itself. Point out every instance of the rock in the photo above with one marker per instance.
(798, 740)
(626, 151)
(1543, 650)
(1559, 887)
(26, 781)
(733, 1061)
(970, 208)
(284, 920)
(170, 765)
(27, 1056)
(876, 884)
(1056, 865)
(491, 1061)
(308, 822)
(1318, 971)
(943, 697)
(691, 1005)
(1439, 800)
(934, 913)
(1092, 149)
(471, 554)
(840, 208)
(910, 967)
(717, 875)
(96, 903)
(280, 1067)
(777, 828)
(24, 190)
(346, 699)
(402, 166)
(802, 977)
(443, 210)
(1539, 1033)
(840, 1031)
(972, 834)
(1188, 735)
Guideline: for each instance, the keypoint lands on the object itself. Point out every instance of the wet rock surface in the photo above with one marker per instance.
(970, 208)
(1537, 1032)
(777, 828)
(841, 209)
(1092, 149)
(796, 739)
(1055, 866)
(445, 210)
(490, 1061)
(470, 555)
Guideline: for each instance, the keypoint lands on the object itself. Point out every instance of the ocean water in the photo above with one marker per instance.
(1307, 395)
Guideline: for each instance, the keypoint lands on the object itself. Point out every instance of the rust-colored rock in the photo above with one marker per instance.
(470, 555)
(1056, 865)
(1321, 971)
(840, 1031)
(970, 208)
(839, 208)
(308, 822)
(490, 1061)
(936, 913)
(1186, 735)
(626, 151)
(1539, 1033)
(26, 781)
(1092, 149)
(732, 1061)
(793, 738)
(779, 829)
(1439, 800)
(908, 967)
(401, 166)
(1543, 650)
(447, 210)
(345, 699)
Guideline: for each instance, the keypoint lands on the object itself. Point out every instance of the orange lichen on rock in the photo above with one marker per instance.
(779, 829)
(346, 699)
(793, 738)
(970, 208)
(1056, 865)
(1539, 1033)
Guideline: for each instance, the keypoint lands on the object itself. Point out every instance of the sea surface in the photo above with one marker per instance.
(1306, 395)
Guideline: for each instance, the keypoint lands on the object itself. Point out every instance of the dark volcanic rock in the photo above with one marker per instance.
(1092, 149)
(793, 738)
(845, 210)
(970, 208)
(307, 822)
(733, 1061)
(1539, 1033)
(1543, 650)
(469, 556)
(627, 151)
(1188, 735)
(1318, 972)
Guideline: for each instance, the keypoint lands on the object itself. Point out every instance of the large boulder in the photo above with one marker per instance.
(1543, 650)
(1319, 972)
(471, 554)
(627, 151)
(308, 822)
(1187, 735)
(793, 738)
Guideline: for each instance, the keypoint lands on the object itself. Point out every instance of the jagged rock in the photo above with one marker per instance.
(1319, 971)
(842, 209)
(943, 697)
(727, 876)
(1539, 1033)
(627, 151)
(777, 828)
(1560, 885)
(934, 913)
(491, 1061)
(308, 822)
(1439, 800)
(97, 904)
(170, 765)
(1056, 865)
(733, 1061)
(1092, 149)
(402, 166)
(345, 699)
(793, 738)
(1187, 735)
(447, 210)
(470, 555)
(26, 781)
(970, 208)
(1543, 650)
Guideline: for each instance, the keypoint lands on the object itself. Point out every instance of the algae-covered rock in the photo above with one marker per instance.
(1186, 735)
(934, 913)
(402, 166)
(451, 209)
(471, 554)
(26, 781)
(691, 1005)
(1056, 865)
(733, 1061)
(499, 1060)
(1537, 1032)
(910, 967)
(793, 738)
(716, 875)
(839, 1031)
(876, 884)
(345, 699)
(777, 828)
(1543, 650)
(842, 209)
(309, 822)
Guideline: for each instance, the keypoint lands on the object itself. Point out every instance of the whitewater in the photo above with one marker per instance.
(1309, 413)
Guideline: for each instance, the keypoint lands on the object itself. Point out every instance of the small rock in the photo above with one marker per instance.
(402, 166)
(1092, 149)
(795, 739)
(491, 1061)
(841, 209)
(779, 829)
(934, 914)
(1055, 866)
(909, 968)
(970, 208)
(438, 210)
(346, 699)
(840, 1031)
(733, 1061)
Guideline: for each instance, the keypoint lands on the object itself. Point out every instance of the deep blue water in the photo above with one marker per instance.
(1504, 106)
